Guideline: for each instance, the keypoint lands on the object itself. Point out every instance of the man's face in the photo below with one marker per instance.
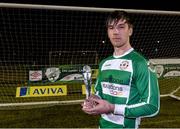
(119, 33)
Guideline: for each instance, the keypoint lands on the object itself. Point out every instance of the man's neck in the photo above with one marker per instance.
(120, 51)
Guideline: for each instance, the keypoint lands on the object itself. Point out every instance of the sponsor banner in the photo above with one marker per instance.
(167, 70)
(78, 76)
(35, 75)
(40, 91)
(84, 89)
(74, 73)
(63, 73)
(72, 77)
(159, 70)
(172, 74)
(52, 74)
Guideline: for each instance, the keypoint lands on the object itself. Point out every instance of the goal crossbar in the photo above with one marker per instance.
(57, 7)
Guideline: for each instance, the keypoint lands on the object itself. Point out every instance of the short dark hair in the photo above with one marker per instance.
(117, 15)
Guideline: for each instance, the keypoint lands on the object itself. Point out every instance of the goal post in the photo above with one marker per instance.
(44, 48)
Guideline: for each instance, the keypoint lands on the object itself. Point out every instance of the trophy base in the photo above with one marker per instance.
(89, 104)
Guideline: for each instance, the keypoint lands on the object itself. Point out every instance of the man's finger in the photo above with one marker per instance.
(96, 100)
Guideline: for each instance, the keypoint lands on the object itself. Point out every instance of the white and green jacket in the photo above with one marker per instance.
(128, 82)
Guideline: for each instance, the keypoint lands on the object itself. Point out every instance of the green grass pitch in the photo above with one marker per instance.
(71, 116)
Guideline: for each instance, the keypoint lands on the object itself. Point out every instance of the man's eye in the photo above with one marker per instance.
(120, 27)
(110, 27)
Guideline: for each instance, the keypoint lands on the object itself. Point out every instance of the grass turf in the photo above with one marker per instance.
(71, 116)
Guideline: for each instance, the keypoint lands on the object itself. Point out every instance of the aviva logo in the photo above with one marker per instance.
(39, 91)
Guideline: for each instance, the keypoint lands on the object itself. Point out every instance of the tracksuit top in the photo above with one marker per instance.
(129, 82)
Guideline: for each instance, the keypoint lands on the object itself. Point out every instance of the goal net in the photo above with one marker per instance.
(44, 48)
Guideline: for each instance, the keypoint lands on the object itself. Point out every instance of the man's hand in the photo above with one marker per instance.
(100, 107)
(89, 103)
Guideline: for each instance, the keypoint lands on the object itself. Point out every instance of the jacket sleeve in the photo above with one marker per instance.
(97, 88)
(148, 89)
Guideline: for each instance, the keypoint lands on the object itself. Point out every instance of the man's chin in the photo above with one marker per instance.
(118, 45)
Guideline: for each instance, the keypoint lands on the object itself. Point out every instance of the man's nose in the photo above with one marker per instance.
(115, 30)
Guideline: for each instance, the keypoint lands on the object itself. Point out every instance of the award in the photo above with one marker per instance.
(87, 79)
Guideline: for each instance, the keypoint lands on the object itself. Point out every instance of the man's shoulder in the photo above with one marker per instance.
(105, 59)
(138, 57)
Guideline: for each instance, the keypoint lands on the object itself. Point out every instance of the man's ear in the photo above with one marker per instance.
(130, 31)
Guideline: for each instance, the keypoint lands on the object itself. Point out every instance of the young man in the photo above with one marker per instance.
(126, 88)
